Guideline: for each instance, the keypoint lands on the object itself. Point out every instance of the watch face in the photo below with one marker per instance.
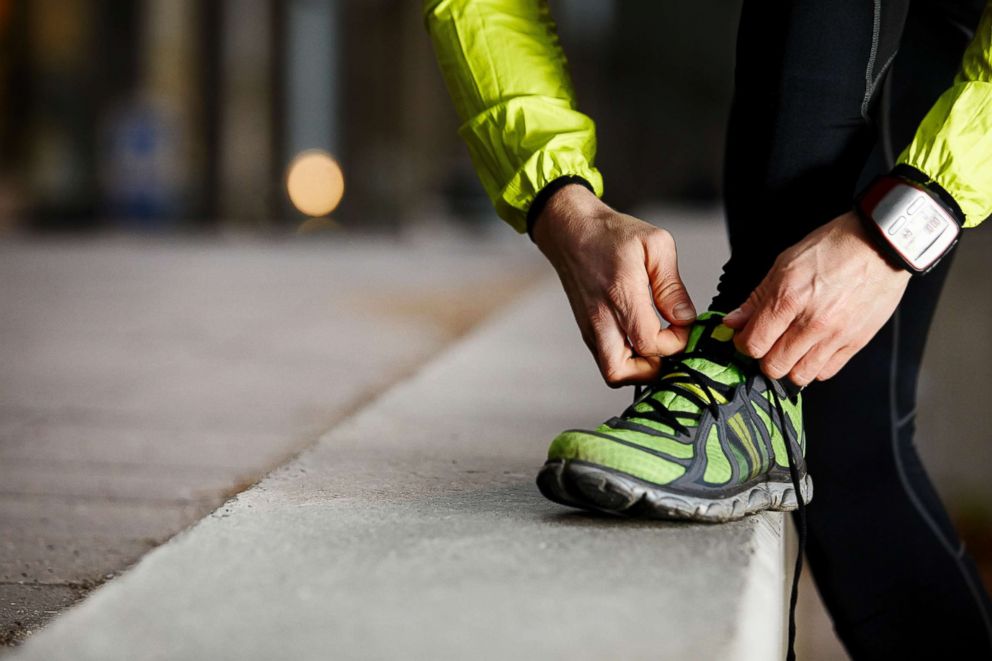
(915, 225)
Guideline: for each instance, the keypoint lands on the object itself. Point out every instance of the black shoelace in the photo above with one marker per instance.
(677, 372)
(792, 447)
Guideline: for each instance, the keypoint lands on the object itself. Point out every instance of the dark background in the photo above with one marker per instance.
(165, 115)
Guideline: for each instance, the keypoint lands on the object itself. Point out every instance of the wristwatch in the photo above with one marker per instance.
(909, 222)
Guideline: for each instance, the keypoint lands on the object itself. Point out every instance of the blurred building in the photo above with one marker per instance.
(178, 114)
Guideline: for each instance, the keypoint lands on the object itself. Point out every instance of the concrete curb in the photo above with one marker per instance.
(413, 530)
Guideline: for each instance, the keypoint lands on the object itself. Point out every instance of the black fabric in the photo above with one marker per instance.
(541, 199)
(803, 132)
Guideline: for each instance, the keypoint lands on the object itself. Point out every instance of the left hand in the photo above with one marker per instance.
(822, 302)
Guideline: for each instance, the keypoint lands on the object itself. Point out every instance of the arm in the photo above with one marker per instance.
(828, 295)
(534, 151)
(952, 147)
(507, 75)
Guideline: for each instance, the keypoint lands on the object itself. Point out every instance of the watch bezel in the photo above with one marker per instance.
(884, 208)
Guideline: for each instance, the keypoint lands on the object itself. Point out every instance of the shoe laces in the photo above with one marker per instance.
(792, 447)
(676, 372)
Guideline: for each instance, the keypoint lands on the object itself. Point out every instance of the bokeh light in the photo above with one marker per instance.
(315, 183)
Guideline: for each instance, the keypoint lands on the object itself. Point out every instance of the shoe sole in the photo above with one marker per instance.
(588, 486)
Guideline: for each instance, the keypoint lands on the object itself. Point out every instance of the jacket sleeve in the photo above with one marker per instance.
(953, 144)
(507, 74)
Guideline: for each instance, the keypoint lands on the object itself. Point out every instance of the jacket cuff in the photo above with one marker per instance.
(541, 199)
(906, 171)
(521, 145)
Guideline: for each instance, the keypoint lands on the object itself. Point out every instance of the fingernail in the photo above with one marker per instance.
(733, 313)
(684, 312)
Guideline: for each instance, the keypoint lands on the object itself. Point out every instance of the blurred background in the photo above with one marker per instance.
(177, 115)
(151, 366)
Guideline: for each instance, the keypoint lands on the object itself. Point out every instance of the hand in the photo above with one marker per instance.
(822, 301)
(616, 270)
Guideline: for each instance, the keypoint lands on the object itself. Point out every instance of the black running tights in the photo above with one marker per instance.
(822, 101)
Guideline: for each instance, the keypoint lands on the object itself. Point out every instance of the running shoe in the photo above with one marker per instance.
(712, 439)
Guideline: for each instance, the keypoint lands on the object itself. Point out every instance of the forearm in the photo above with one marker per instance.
(507, 75)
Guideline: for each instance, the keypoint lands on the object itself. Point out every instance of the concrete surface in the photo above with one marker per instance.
(414, 530)
(144, 382)
(484, 503)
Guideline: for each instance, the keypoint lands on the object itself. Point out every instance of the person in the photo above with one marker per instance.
(821, 289)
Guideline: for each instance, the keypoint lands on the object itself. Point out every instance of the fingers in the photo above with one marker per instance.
(803, 348)
(771, 317)
(823, 299)
(836, 363)
(651, 280)
(636, 317)
(801, 351)
(618, 363)
(773, 327)
(789, 339)
(738, 318)
(669, 292)
(674, 339)
(809, 366)
(617, 295)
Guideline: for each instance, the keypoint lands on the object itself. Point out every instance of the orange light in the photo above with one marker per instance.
(314, 182)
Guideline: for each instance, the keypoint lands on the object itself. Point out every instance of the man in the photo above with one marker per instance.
(820, 290)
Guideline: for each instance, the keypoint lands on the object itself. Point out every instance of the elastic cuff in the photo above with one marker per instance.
(909, 172)
(541, 199)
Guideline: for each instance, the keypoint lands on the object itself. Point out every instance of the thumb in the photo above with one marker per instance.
(670, 295)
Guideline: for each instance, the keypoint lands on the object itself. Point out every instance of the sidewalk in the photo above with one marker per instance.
(413, 530)
(146, 381)
(86, 488)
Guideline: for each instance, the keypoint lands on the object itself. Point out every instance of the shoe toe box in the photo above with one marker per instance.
(600, 450)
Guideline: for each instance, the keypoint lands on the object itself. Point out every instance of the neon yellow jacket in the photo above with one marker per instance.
(509, 80)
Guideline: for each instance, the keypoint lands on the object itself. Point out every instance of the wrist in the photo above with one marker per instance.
(549, 190)
(908, 222)
(562, 211)
(869, 247)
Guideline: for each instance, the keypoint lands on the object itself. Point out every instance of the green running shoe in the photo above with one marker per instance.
(713, 439)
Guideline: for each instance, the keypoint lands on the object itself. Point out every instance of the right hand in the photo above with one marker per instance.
(616, 271)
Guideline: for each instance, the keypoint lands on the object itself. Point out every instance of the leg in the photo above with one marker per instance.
(882, 549)
(798, 140)
(883, 552)
(799, 133)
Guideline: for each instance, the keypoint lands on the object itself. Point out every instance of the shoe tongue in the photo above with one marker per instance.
(709, 335)
(709, 351)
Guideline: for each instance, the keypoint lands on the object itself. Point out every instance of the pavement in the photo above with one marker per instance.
(146, 381)
(414, 530)
(416, 507)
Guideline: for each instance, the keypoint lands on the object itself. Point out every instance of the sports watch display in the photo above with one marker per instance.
(908, 222)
